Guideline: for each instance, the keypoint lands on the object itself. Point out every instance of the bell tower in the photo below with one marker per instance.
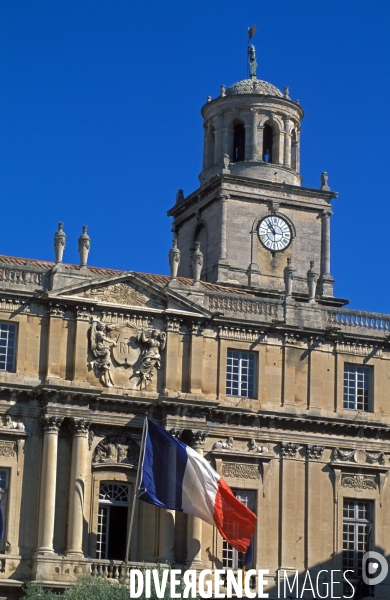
(251, 214)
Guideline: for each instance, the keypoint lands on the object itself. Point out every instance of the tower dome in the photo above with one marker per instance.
(253, 130)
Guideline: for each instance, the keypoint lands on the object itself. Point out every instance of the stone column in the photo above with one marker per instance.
(298, 150)
(218, 141)
(253, 155)
(167, 520)
(287, 142)
(260, 141)
(171, 355)
(325, 267)
(77, 484)
(326, 279)
(51, 425)
(223, 251)
(56, 315)
(81, 344)
(194, 524)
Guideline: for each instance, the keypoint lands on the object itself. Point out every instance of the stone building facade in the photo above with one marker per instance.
(242, 352)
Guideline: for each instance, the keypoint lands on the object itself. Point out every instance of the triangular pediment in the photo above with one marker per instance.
(131, 290)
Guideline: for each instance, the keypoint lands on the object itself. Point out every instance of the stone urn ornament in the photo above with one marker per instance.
(59, 243)
(197, 263)
(84, 246)
(289, 278)
(174, 259)
(312, 278)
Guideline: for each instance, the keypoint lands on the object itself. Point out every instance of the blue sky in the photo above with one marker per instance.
(100, 120)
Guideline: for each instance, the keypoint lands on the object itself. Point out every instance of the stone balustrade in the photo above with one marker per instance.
(266, 310)
(21, 276)
(374, 323)
(117, 569)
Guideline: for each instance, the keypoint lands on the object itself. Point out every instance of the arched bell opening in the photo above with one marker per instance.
(271, 143)
(238, 153)
(210, 146)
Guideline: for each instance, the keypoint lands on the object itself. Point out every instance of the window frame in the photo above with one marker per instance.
(367, 405)
(104, 512)
(229, 382)
(356, 524)
(229, 553)
(9, 324)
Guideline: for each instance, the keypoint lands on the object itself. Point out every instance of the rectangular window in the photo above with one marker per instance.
(357, 387)
(240, 374)
(357, 525)
(232, 559)
(7, 346)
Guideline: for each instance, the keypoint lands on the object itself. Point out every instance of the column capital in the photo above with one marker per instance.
(326, 213)
(173, 324)
(56, 310)
(82, 313)
(314, 452)
(51, 423)
(198, 438)
(80, 426)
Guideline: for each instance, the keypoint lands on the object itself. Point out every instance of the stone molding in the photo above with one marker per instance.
(7, 449)
(242, 334)
(251, 307)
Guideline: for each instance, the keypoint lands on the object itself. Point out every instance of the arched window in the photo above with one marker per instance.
(268, 144)
(112, 521)
(294, 148)
(238, 143)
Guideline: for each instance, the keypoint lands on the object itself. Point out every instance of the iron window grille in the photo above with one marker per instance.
(240, 373)
(357, 387)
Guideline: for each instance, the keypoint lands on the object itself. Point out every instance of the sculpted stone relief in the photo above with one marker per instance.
(116, 449)
(116, 346)
(124, 293)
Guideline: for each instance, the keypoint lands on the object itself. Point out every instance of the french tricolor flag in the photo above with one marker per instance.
(176, 477)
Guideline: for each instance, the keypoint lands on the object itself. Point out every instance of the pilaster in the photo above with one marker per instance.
(194, 524)
(81, 344)
(172, 379)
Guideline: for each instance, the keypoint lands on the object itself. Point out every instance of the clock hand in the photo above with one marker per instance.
(269, 223)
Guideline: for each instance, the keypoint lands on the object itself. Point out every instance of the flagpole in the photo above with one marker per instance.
(141, 456)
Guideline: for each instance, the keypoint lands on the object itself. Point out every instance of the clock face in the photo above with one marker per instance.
(274, 233)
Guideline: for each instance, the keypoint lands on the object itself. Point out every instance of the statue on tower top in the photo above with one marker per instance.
(252, 61)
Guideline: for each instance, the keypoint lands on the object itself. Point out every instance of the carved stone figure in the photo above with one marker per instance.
(179, 196)
(8, 423)
(84, 246)
(226, 161)
(228, 445)
(101, 349)
(324, 181)
(152, 341)
(59, 243)
(253, 447)
(252, 61)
